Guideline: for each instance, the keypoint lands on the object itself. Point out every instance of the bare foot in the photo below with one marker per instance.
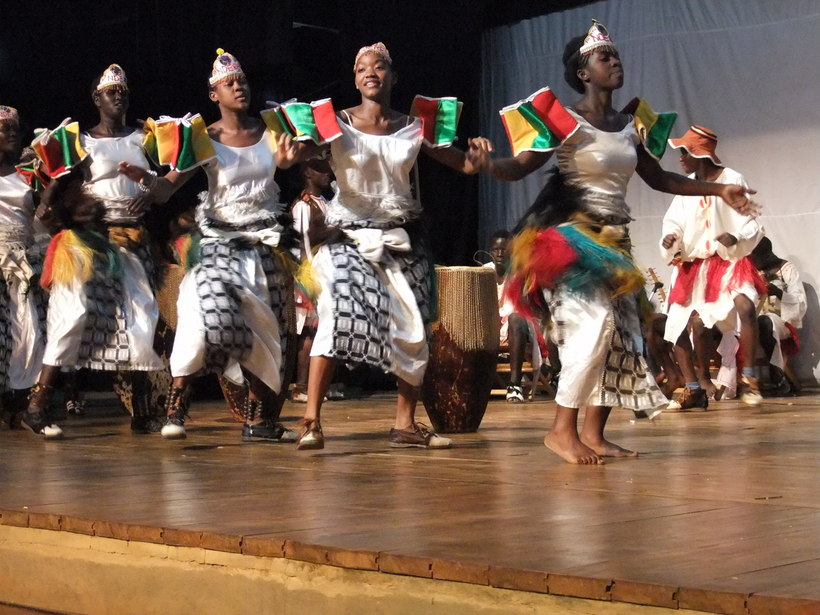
(571, 449)
(605, 448)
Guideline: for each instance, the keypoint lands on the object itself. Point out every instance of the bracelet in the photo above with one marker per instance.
(148, 181)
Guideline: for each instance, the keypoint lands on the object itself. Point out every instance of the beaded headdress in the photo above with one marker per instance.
(378, 48)
(9, 114)
(597, 38)
(113, 76)
(226, 65)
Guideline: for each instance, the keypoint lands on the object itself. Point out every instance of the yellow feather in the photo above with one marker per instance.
(72, 259)
(306, 278)
(521, 247)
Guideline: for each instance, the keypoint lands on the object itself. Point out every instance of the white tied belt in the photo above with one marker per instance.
(371, 242)
(268, 236)
(408, 338)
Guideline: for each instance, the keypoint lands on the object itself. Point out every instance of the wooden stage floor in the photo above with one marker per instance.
(720, 509)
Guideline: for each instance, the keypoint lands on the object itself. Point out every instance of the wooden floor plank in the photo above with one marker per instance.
(725, 500)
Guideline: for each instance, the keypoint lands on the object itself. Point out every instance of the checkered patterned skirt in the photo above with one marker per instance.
(22, 318)
(5, 336)
(106, 322)
(356, 309)
(234, 310)
(600, 345)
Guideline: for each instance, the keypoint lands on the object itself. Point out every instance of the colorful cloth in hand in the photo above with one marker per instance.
(538, 123)
(181, 143)
(439, 118)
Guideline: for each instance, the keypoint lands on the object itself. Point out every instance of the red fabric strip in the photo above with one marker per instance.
(685, 281)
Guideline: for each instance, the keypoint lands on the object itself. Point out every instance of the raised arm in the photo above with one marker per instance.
(477, 159)
(456, 158)
(673, 183)
(160, 188)
(513, 169)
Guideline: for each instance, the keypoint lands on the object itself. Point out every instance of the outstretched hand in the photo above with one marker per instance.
(477, 156)
(738, 199)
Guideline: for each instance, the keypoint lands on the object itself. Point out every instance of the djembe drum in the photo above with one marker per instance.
(463, 349)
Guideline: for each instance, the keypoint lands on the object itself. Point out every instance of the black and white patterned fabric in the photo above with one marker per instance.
(617, 376)
(5, 336)
(36, 256)
(626, 382)
(361, 304)
(104, 344)
(218, 279)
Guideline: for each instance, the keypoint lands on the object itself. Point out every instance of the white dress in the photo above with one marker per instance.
(374, 299)
(127, 341)
(231, 304)
(599, 338)
(25, 302)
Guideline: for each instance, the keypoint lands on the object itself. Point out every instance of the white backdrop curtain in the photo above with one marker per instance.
(747, 69)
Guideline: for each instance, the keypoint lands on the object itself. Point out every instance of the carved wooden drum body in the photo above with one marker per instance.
(463, 349)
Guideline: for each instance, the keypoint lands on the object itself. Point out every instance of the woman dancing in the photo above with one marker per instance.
(22, 303)
(102, 311)
(232, 307)
(374, 274)
(597, 327)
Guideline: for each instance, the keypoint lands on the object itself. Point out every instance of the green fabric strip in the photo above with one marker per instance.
(446, 121)
(546, 138)
(301, 116)
(657, 138)
(186, 157)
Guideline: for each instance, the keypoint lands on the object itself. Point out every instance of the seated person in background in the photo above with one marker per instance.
(516, 331)
(781, 313)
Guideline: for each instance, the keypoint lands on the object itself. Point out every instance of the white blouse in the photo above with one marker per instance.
(241, 188)
(106, 183)
(16, 209)
(373, 176)
(603, 163)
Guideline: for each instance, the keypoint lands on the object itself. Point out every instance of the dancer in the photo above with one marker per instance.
(781, 313)
(597, 328)
(232, 307)
(374, 274)
(308, 213)
(102, 314)
(22, 302)
(716, 284)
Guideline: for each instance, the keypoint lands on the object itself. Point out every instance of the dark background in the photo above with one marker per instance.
(51, 51)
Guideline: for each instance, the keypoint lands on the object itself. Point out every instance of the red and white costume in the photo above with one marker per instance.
(709, 275)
